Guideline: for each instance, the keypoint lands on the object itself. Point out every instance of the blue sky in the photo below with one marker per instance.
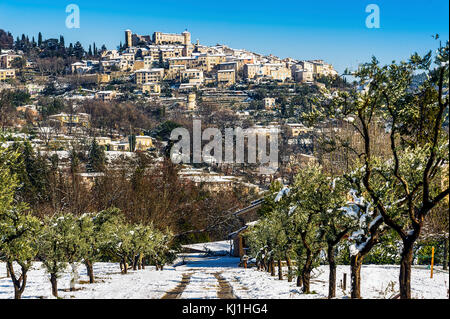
(327, 29)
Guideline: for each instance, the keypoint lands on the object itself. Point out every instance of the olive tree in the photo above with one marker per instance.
(18, 244)
(60, 245)
(409, 100)
(414, 116)
(336, 223)
(18, 229)
(115, 237)
(89, 240)
(308, 194)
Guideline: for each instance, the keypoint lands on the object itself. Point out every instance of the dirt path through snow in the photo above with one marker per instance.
(178, 290)
(225, 290)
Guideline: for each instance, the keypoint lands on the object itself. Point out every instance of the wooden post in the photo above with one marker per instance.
(345, 281)
(432, 261)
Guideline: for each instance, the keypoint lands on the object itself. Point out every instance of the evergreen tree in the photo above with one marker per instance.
(39, 39)
(61, 46)
(78, 50)
(6, 40)
(32, 171)
(70, 51)
(62, 42)
(96, 158)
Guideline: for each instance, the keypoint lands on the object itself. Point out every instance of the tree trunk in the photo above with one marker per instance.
(280, 270)
(405, 269)
(8, 275)
(445, 261)
(135, 262)
(90, 271)
(306, 272)
(299, 281)
(289, 266)
(355, 267)
(306, 278)
(272, 267)
(19, 283)
(141, 256)
(75, 276)
(264, 264)
(332, 278)
(54, 282)
(125, 266)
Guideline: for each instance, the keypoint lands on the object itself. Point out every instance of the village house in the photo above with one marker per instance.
(269, 103)
(149, 75)
(226, 77)
(106, 95)
(7, 59)
(151, 88)
(193, 76)
(79, 119)
(143, 143)
(6, 74)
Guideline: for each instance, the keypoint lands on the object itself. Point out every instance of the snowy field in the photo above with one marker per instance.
(377, 282)
(111, 284)
(202, 281)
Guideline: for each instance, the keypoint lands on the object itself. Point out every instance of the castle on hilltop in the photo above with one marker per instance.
(158, 38)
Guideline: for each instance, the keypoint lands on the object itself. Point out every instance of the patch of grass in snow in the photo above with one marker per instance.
(86, 282)
(68, 289)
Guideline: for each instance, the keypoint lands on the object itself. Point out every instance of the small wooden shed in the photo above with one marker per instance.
(248, 216)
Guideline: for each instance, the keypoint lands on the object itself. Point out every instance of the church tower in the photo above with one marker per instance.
(128, 38)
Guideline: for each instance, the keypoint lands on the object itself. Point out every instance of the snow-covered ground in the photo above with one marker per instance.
(141, 284)
(378, 281)
(203, 285)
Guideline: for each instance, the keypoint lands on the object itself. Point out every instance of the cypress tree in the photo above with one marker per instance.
(96, 158)
(39, 39)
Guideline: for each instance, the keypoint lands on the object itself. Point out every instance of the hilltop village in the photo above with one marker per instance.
(126, 98)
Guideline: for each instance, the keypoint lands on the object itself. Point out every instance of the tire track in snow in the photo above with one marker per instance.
(225, 290)
(178, 290)
(203, 285)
